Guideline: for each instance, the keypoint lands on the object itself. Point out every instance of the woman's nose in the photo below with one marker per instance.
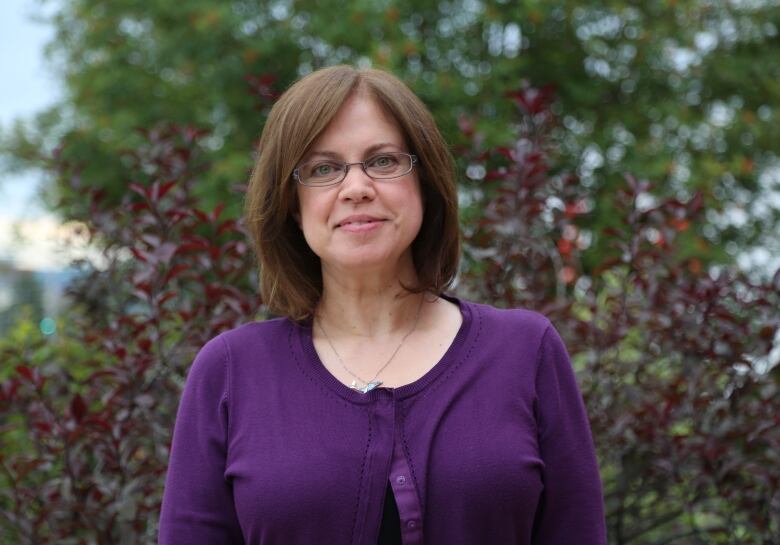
(357, 185)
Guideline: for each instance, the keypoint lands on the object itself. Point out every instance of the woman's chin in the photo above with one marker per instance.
(367, 263)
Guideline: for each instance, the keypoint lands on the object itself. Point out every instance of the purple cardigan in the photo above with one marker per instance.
(492, 445)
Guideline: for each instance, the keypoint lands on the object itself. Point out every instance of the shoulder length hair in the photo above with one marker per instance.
(290, 278)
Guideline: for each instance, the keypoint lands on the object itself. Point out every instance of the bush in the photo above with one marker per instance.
(673, 356)
(86, 432)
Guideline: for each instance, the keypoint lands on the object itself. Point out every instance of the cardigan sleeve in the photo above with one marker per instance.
(197, 507)
(571, 509)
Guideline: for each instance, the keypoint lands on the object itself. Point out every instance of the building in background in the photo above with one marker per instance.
(37, 295)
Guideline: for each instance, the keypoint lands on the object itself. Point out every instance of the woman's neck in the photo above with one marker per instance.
(367, 307)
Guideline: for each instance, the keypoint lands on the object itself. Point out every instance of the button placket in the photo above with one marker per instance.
(404, 490)
(383, 437)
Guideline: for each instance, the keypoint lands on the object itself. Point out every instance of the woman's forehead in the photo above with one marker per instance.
(361, 126)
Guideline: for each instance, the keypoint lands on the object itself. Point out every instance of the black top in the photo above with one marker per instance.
(390, 530)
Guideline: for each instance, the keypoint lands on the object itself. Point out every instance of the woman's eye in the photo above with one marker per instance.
(323, 169)
(382, 161)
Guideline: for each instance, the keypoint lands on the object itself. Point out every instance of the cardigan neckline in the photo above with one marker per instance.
(313, 363)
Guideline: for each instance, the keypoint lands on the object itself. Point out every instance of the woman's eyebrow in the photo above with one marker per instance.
(328, 154)
(377, 147)
(368, 151)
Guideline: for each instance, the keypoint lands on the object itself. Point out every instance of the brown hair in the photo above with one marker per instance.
(290, 274)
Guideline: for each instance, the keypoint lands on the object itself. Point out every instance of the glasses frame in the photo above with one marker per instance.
(345, 170)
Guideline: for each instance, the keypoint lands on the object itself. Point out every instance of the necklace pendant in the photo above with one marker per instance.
(368, 387)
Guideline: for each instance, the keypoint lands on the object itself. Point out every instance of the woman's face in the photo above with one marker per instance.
(361, 225)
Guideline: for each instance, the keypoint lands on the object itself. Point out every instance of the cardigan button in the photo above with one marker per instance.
(400, 480)
(412, 524)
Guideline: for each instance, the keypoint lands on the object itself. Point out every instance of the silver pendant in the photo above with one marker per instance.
(367, 388)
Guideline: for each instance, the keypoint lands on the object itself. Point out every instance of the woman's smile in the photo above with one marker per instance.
(360, 224)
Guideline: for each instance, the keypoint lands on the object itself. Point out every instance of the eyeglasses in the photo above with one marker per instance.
(383, 166)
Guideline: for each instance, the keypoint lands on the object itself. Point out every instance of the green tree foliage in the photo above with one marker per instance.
(683, 92)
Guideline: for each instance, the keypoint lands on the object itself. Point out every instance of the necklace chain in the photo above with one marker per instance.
(373, 383)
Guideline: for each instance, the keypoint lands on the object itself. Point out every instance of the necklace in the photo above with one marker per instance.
(373, 383)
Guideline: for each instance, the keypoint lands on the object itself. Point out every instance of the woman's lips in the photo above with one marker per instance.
(360, 226)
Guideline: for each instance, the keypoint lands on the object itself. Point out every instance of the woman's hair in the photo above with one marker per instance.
(290, 274)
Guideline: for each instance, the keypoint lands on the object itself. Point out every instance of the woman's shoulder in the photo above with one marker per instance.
(513, 334)
(257, 335)
(269, 328)
(234, 348)
(499, 319)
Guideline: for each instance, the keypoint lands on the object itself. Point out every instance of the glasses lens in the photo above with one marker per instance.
(320, 172)
(329, 172)
(388, 165)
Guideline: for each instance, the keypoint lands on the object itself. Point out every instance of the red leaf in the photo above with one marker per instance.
(165, 188)
(564, 247)
(8, 389)
(192, 246)
(567, 275)
(143, 289)
(139, 254)
(42, 426)
(78, 407)
(99, 422)
(166, 297)
(175, 271)
(202, 216)
(26, 372)
(228, 225)
(680, 224)
(107, 373)
(213, 292)
(217, 211)
(466, 125)
(138, 189)
(176, 215)
(696, 202)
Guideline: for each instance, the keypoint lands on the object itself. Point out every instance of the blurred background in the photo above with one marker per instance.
(618, 168)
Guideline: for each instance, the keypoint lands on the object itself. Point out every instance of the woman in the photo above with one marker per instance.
(378, 409)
